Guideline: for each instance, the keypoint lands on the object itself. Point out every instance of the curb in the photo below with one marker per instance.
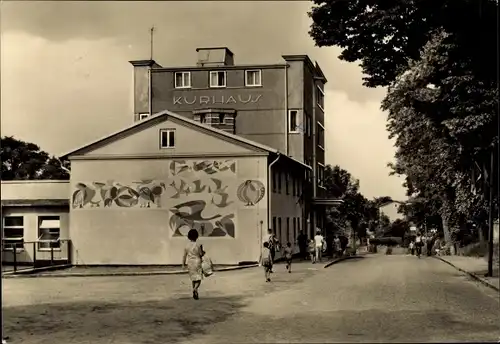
(338, 260)
(138, 273)
(477, 278)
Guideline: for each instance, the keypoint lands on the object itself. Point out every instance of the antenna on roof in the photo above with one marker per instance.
(151, 31)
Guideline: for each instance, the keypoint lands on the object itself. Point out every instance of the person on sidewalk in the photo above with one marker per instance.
(272, 244)
(266, 261)
(412, 247)
(419, 243)
(336, 246)
(288, 253)
(302, 241)
(312, 251)
(193, 254)
(318, 242)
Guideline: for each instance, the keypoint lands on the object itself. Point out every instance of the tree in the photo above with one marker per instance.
(386, 35)
(25, 161)
(398, 228)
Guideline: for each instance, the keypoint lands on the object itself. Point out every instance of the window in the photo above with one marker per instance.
(275, 181)
(279, 182)
(287, 181)
(218, 79)
(320, 174)
(274, 225)
(203, 118)
(167, 138)
(308, 125)
(49, 232)
(320, 97)
(295, 227)
(253, 77)
(143, 116)
(320, 137)
(182, 79)
(221, 118)
(287, 230)
(293, 121)
(13, 233)
(279, 228)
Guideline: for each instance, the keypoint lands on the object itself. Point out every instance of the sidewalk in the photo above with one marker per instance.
(474, 267)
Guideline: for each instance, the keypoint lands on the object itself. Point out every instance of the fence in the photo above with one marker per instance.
(35, 254)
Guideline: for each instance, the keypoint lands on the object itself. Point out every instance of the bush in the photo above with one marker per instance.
(388, 250)
(386, 241)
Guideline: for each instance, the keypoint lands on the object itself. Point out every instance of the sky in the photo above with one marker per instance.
(66, 79)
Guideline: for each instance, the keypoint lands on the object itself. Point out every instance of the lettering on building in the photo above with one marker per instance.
(214, 100)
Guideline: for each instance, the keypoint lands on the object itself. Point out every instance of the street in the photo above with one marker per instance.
(377, 298)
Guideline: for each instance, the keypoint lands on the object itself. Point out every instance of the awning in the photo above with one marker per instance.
(35, 202)
(327, 201)
(50, 224)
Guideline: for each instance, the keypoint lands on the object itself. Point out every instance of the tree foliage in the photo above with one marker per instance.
(25, 161)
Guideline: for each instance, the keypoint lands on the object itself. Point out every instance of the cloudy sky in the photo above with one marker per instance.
(66, 80)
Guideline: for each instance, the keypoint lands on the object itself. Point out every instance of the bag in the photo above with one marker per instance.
(206, 266)
(266, 262)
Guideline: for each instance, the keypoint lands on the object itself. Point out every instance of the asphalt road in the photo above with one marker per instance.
(374, 299)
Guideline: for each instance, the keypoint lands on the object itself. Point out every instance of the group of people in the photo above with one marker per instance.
(421, 241)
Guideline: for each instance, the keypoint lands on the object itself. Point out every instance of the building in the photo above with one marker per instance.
(278, 105)
(34, 213)
(229, 150)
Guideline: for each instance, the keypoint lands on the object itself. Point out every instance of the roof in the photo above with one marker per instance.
(35, 202)
(178, 118)
(216, 48)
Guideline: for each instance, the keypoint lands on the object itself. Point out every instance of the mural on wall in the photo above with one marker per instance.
(251, 192)
(199, 194)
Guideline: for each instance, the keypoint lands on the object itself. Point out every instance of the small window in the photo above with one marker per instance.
(320, 97)
(49, 232)
(143, 116)
(13, 233)
(295, 227)
(182, 79)
(253, 77)
(203, 118)
(287, 230)
(279, 182)
(279, 229)
(218, 79)
(320, 136)
(293, 121)
(167, 138)
(274, 225)
(221, 118)
(320, 174)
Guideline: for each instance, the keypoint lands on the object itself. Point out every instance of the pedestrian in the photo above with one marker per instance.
(266, 261)
(336, 246)
(302, 241)
(288, 253)
(419, 243)
(193, 254)
(312, 250)
(412, 247)
(272, 244)
(318, 241)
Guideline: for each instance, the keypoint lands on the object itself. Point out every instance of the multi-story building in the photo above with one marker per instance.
(278, 105)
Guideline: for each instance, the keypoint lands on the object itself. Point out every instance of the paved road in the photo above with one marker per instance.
(374, 299)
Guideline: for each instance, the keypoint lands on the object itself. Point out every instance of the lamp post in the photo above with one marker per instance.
(490, 213)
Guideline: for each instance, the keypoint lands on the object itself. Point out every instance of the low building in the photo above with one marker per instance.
(135, 194)
(35, 221)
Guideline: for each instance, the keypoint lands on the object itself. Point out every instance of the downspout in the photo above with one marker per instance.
(150, 91)
(286, 111)
(269, 193)
(314, 166)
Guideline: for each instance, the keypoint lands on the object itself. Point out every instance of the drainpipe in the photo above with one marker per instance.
(269, 192)
(286, 111)
(314, 166)
(150, 91)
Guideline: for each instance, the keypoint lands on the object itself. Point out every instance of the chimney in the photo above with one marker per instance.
(222, 119)
(214, 57)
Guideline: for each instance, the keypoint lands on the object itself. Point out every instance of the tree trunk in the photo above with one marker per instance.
(446, 230)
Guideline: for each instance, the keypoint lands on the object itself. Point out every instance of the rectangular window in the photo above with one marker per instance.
(218, 79)
(293, 121)
(287, 182)
(320, 96)
(320, 137)
(49, 232)
(143, 116)
(279, 182)
(287, 230)
(279, 229)
(167, 138)
(13, 233)
(295, 228)
(182, 79)
(253, 77)
(308, 125)
(274, 225)
(320, 174)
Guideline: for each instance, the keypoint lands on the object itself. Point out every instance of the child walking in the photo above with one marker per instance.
(312, 251)
(266, 261)
(288, 252)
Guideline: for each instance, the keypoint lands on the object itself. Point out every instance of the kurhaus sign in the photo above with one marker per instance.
(217, 99)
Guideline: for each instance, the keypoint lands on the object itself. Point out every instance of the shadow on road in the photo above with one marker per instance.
(132, 322)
